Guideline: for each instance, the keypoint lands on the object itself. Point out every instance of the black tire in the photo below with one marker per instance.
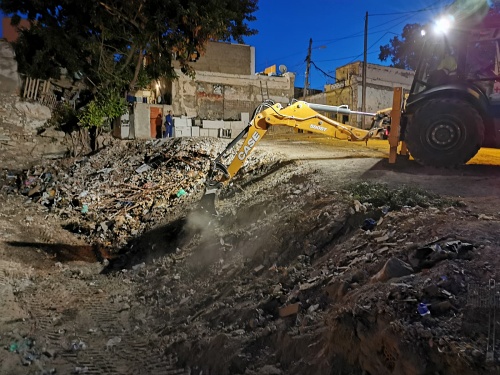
(445, 133)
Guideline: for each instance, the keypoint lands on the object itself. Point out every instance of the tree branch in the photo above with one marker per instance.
(130, 55)
(137, 69)
(116, 12)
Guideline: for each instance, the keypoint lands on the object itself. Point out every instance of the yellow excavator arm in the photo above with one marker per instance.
(299, 115)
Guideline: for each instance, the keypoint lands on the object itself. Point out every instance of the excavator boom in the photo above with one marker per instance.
(299, 115)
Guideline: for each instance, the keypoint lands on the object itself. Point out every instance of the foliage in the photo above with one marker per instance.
(381, 195)
(404, 53)
(108, 104)
(63, 118)
(108, 40)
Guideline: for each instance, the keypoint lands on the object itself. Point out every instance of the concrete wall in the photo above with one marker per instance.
(11, 82)
(225, 58)
(224, 96)
(380, 83)
(139, 120)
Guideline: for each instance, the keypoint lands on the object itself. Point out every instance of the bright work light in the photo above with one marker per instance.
(443, 24)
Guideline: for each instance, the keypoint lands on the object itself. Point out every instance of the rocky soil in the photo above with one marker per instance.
(321, 260)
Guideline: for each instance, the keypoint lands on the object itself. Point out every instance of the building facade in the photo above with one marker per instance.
(380, 83)
(225, 86)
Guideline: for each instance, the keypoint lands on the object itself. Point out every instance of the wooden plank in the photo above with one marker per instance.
(397, 102)
(35, 96)
(26, 82)
(30, 89)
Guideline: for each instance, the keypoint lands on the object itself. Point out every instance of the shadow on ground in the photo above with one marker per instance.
(66, 253)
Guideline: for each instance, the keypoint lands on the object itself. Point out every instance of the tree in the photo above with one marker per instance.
(108, 40)
(404, 52)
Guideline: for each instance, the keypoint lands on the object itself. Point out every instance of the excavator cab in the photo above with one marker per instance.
(453, 108)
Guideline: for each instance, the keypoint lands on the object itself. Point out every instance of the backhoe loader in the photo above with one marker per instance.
(299, 115)
(453, 107)
(451, 111)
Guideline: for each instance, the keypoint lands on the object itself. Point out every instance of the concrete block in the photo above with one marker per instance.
(204, 132)
(210, 124)
(245, 117)
(213, 133)
(182, 122)
(237, 126)
(182, 131)
(195, 131)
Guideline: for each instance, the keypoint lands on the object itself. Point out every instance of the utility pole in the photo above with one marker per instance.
(308, 66)
(365, 58)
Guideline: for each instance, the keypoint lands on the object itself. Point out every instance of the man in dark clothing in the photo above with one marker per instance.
(159, 126)
(169, 125)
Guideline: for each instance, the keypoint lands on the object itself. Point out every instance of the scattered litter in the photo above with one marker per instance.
(78, 345)
(143, 168)
(113, 342)
(422, 309)
(369, 224)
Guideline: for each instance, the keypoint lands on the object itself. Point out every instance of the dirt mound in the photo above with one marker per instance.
(293, 276)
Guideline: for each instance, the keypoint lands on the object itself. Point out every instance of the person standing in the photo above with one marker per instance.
(159, 126)
(169, 125)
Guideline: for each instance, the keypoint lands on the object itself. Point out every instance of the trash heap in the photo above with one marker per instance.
(126, 188)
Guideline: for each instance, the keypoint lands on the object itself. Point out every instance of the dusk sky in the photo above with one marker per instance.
(337, 31)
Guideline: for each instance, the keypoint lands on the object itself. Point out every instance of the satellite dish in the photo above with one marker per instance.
(283, 69)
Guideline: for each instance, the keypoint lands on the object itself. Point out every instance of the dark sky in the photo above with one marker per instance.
(336, 28)
(337, 31)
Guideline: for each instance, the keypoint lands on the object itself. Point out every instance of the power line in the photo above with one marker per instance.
(331, 41)
(409, 12)
(373, 44)
(358, 34)
(321, 70)
(404, 16)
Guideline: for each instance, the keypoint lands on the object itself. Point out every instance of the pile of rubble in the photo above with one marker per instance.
(126, 188)
(320, 283)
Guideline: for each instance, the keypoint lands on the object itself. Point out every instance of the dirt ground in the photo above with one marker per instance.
(300, 273)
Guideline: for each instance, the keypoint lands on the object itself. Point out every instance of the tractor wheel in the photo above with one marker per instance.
(445, 133)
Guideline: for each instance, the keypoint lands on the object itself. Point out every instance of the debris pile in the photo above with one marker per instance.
(359, 287)
(125, 189)
(298, 278)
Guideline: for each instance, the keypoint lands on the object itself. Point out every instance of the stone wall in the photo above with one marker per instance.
(9, 79)
(20, 146)
(220, 96)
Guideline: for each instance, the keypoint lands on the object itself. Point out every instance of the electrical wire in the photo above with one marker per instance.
(426, 9)
(403, 16)
(354, 57)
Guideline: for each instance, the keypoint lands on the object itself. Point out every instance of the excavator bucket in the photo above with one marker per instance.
(208, 202)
